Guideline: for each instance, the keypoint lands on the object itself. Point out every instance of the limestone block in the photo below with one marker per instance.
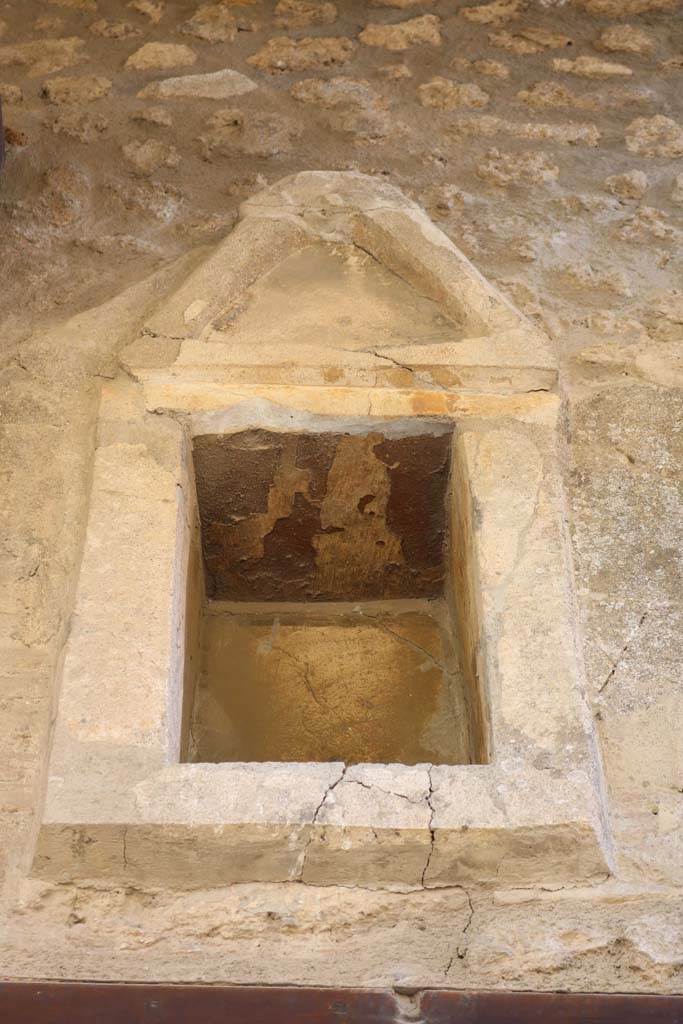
(217, 85)
(153, 56)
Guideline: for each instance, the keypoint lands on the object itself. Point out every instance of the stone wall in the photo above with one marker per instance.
(546, 141)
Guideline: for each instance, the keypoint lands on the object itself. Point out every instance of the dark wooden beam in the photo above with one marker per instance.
(96, 1003)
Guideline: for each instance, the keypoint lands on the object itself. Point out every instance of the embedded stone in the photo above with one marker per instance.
(353, 105)
(503, 169)
(152, 9)
(216, 85)
(490, 68)
(231, 132)
(214, 23)
(630, 185)
(113, 29)
(591, 67)
(625, 39)
(489, 124)
(14, 137)
(83, 127)
(153, 115)
(646, 224)
(84, 89)
(150, 155)
(153, 56)
(282, 54)
(655, 136)
(493, 13)
(395, 71)
(554, 94)
(404, 34)
(301, 13)
(43, 56)
(78, 5)
(447, 95)
(10, 93)
(624, 8)
(529, 40)
(402, 4)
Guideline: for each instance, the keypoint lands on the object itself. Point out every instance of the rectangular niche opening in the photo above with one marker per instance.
(324, 595)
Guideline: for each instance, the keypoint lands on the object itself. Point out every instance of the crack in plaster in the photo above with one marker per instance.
(623, 651)
(430, 794)
(461, 951)
(301, 867)
(387, 792)
(305, 675)
(404, 366)
(404, 640)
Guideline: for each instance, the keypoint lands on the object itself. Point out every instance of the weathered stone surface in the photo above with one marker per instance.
(489, 124)
(75, 90)
(284, 54)
(631, 475)
(655, 136)
(447, 95)
(490, 68)
(231, 132)
(512, 168)
(404, 34)
(626, 39)
(493, 13)
(113, 29)
(529, 40)
(353, 106)
(214, 23)
(555, 94)
(615, 8)
(80, 5)
(630, 185)
(591, 67)
(153, 56)
(150, 155)
(402, 4)
(153, 115)
(43, 56)
(10, 93)
(218, 85)
(301, 13)
(75, 124)
(152, 9)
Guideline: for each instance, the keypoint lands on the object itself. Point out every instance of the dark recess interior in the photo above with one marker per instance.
(327, 631)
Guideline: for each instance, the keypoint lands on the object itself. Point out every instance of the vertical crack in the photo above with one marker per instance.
(431, 826)
(301, 866)
(461, 951)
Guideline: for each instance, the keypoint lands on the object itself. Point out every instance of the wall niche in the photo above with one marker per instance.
(328, 629)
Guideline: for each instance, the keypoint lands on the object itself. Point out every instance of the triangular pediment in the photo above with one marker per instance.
(337, 273)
